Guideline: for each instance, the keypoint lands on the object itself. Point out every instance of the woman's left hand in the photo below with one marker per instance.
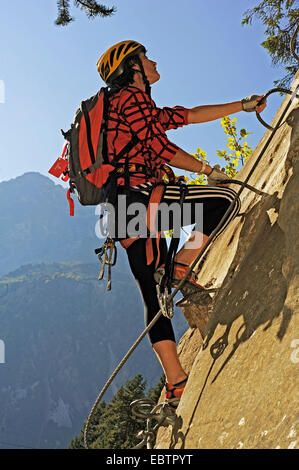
(261, 107)
(250, 103)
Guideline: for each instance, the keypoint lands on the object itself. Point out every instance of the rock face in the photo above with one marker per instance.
(243, 358)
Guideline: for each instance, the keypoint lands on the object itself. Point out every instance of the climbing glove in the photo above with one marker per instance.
(249, 103)
(216, 176)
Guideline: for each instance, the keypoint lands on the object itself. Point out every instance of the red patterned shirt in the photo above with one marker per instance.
(132, 111)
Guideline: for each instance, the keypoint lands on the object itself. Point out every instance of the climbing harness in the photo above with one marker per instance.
(156, 415)
(168, 299)
(107, 255)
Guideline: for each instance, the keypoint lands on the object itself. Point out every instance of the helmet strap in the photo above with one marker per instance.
(145, 80)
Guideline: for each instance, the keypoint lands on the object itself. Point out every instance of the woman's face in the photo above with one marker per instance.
(149, 68)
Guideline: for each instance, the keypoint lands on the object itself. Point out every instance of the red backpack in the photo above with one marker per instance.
(84, 160)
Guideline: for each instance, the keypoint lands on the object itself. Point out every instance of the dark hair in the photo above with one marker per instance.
(127, 77)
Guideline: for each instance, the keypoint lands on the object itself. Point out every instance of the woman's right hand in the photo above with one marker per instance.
(216, 176)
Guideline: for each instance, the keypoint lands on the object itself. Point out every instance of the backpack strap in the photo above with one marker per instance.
(127, 148)
(88, 132)
(96, 162)
(111, 183)
(102, 154)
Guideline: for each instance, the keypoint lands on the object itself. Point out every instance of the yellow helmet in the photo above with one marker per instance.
(110, 64)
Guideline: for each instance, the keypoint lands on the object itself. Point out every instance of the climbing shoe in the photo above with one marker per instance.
(196, 296)
(193, 292)
(179, 272)
(174, 392)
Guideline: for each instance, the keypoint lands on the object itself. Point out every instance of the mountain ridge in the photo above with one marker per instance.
(36, 226)
(64, 334)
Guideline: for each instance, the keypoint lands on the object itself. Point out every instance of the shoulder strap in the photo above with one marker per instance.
(127, 148)
(88, 132)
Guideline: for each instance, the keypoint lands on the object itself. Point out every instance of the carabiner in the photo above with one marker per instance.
(165, 305)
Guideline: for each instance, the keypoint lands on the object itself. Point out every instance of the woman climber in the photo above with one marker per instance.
(134, 117)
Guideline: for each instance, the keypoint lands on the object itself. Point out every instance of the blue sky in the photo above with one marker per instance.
(204, 56)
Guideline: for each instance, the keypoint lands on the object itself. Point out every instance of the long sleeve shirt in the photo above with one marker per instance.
(133, 112)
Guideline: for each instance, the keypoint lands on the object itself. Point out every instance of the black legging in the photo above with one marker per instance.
(216, 201)
(144, 276)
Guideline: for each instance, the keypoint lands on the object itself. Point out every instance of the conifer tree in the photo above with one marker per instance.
(117, 427)
(112, 425)
(91, 7)
(281, 19)
(78, 441)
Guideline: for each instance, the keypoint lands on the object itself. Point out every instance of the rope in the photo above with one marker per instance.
(248, 186)
(123, 361)
(243, 185)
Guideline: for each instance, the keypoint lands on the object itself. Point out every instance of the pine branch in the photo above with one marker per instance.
(280, 21)
(93, 9)
(64, 17)
(90, 7)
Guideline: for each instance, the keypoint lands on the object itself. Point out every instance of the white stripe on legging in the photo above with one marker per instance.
(198, 192)
(205, 192)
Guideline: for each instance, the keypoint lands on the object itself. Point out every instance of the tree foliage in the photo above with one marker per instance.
(280, 18)
(113, 426)
(238, 150)
(91, 7)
